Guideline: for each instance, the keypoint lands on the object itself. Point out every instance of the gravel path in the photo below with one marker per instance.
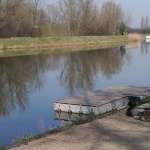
(115, 132)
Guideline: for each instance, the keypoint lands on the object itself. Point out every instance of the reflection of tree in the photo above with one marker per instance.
(21, 75)
(78, 72)
(18, 77)
(81, 68)
(112, 60)
(144, 47)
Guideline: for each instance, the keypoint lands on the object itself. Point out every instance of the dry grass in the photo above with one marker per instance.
(1, 47)
(134, 37)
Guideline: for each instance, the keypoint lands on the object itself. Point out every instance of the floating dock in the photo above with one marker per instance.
(101, 101)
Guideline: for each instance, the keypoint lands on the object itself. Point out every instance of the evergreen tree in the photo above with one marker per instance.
(122, 28)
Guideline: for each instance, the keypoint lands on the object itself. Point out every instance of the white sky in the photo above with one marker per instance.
(138, 8)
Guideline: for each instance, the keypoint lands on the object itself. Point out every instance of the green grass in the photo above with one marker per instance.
(143, 101)
(6, 53)
(22, 137)
(89, 117)
(58, 40)
(61, 40)
(31, 46)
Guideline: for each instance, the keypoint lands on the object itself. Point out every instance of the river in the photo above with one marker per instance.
(29, 85)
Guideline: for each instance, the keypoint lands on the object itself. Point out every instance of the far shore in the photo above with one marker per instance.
(19, 46)
(16, 46)
(24, 43)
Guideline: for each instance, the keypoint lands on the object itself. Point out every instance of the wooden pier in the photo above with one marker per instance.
(101, 101)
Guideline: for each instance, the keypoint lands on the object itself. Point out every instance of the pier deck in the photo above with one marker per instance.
(101, 101)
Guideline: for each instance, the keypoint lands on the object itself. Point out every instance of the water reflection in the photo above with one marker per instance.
(145, 47)
(134, 44)
(18, 77)
(65, 116)
(81, 68)
(78, 71)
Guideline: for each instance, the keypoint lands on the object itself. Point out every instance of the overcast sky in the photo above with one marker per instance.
(138, 8)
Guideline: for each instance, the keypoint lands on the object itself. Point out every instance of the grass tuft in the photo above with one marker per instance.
(22, 137)
(89, 117)
(143, 101)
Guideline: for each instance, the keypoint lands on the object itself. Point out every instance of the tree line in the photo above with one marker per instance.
(34, 18)
(144, 29)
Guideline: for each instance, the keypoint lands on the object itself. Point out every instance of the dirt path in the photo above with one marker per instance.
(115, 132)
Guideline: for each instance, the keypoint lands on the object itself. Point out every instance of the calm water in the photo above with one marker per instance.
(29, 85)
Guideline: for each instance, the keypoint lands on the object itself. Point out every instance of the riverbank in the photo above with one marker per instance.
(113, 132)
(55, 42)
(7, 53)
(32, 46)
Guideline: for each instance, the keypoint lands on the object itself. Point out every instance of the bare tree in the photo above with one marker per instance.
(37, 10)
(8, 14)
(147, 24)
(127, 18)
(143, 22)
(111, 14)
(66, 17)
(78, 15)
(54, 20)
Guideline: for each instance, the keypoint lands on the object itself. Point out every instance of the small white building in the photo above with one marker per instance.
(147, 39)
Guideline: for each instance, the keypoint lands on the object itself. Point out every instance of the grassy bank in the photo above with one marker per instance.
(57, 41)
(33, 43)
(31, 46)
(7, 53)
